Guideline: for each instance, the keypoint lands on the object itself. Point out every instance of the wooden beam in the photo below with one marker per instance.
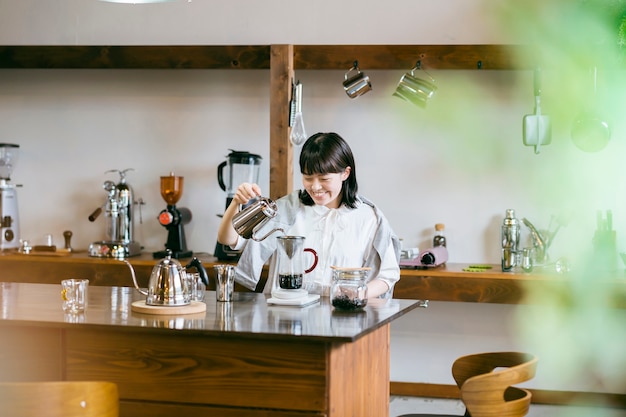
(136, 57)
(281, 149)
(385, 57)
(338, 57)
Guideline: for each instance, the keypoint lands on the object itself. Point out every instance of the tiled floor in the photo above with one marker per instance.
(406, 405)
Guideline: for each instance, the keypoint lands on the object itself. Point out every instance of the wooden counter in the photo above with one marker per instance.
(451, 282)
(51, 269)
(446, 283)
(244, 358)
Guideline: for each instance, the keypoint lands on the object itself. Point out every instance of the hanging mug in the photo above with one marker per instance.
(414, 89)
(355, 82)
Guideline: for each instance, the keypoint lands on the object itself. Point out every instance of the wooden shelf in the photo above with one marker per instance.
(315, 57)
(135, 57)
(446, 283)
(451, 283)
(386, 57)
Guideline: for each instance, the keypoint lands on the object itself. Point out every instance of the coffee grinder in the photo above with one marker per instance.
(173, 218)
(9, 220)
(242, 167)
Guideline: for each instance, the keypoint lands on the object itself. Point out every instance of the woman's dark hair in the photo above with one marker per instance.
(328, 153)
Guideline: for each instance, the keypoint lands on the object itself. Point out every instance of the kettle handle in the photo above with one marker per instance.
(220, 176)
(195, 262)
(132, 273)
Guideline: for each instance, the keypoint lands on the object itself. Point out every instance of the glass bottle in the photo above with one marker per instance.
(440, 238)
(348, 291)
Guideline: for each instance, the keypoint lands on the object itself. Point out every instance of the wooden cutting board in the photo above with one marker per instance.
(141, 307)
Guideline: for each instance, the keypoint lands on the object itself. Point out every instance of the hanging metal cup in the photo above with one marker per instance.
(355, 82)
(414, 89)
(253, 217)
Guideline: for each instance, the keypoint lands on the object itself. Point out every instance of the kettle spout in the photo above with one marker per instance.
(132, 273)
(258, 239)
(195, 262)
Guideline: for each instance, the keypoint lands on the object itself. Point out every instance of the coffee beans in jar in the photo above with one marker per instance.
(348, 291)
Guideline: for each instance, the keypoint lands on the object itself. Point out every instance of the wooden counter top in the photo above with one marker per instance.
(247, 316)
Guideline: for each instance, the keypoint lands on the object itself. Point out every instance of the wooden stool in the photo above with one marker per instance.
(59, 399)
(486, 390)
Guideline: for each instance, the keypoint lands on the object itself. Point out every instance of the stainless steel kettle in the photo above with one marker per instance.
(169, 283)
(252, 218)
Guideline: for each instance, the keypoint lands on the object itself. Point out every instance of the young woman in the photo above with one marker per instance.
(344, 228)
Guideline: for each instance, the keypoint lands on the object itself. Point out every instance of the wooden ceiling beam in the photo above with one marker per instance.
(316, 57)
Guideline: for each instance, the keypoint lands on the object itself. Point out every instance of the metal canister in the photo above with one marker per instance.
(510, 240)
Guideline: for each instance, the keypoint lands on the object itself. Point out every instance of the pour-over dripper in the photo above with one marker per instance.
(171, 188)
(291, 267)
(8, 158)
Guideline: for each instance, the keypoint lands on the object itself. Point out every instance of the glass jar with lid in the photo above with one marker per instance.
(348, 291)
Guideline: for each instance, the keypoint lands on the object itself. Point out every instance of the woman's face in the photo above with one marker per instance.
(325, 189)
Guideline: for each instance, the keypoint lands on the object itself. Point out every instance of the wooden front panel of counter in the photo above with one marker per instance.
(161, 374)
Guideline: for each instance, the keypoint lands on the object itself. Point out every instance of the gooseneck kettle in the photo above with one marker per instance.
(169, 282)
(249, 220)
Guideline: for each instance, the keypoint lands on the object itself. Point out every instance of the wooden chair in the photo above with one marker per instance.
(59, 399)
(486, 389)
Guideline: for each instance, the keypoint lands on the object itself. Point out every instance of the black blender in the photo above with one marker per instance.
(242, 167)
(173, 219)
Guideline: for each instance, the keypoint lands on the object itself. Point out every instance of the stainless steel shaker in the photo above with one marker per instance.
(510, 240)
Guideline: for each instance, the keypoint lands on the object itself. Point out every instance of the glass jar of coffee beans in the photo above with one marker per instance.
(348, 291)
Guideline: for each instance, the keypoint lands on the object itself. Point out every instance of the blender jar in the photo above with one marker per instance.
(8, 158)
(242, 167)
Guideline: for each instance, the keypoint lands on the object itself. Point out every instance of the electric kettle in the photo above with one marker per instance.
(249, 220)
(169, 283)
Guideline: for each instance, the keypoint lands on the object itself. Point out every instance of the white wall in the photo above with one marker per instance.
(461, 162)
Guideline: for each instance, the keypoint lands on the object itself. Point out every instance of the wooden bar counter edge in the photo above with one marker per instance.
(450, 282)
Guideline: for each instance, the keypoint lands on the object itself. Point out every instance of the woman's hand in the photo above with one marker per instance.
(246, 192)
(226, 233)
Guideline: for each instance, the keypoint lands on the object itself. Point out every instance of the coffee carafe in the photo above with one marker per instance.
(291, 266)
(9, 220)
(240, 167)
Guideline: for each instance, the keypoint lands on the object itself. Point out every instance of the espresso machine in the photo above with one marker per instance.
(9, 219)
(241, 167)
(119, 228)
(173, 218)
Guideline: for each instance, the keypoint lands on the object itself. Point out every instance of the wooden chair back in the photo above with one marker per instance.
(486, 379)
(59, 399)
